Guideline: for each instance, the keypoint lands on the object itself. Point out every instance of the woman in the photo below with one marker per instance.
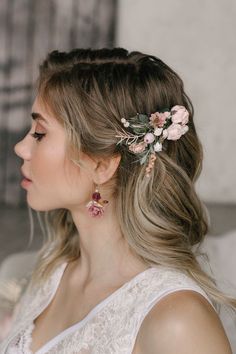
(111, 158)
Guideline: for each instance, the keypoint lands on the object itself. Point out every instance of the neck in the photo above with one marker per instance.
(104, 250)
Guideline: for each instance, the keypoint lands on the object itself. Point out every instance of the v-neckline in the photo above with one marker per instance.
(90, 314)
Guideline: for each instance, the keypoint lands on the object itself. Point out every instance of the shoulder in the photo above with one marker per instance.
(183, 319)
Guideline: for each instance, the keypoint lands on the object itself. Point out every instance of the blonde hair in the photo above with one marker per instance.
(162, 217)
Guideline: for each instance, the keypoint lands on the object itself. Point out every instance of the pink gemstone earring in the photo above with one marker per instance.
(96, 205)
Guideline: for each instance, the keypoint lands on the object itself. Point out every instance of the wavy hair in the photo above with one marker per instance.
(161, 218)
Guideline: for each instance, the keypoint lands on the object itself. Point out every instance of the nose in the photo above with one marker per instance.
(22, 149)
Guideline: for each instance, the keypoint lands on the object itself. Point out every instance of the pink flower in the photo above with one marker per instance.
(157, 119)
(174, 131)
(179, 115)
(185, 128)
(95, 210)
(149, 138)
(137, 148)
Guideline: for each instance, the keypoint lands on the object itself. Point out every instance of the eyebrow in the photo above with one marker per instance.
(38, 116)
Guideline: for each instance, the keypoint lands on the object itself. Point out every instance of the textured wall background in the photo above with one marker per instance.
(197, 39)
(28, 30)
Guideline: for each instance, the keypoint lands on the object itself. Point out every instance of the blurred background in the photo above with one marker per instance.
(197, 39)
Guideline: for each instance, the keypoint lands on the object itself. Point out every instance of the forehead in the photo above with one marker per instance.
(39, 106)
(40, 113)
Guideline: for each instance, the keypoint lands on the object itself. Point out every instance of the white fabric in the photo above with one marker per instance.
(17, 265)
(110, 328)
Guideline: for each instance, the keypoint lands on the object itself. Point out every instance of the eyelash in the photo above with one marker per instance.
(37, 136)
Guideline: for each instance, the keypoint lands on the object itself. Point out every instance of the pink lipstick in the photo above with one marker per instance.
(26, 181)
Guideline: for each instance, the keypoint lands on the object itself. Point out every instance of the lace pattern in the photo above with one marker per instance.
(22, 345)
(114, 327)
(31, 305)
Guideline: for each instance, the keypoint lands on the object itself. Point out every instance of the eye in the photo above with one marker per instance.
(37, 136)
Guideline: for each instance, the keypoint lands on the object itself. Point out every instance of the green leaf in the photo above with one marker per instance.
(138, 130)
(164, 110)
(143, 159)
(143, 118)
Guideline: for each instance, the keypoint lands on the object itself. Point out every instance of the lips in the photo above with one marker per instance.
(25, 176)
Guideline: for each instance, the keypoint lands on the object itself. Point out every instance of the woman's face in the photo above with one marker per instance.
(56, 181)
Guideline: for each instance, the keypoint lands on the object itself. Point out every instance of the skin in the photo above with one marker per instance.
(106, 261)
(59, 183)
(182, 323)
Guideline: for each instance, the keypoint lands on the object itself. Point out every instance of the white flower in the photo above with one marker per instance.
(158, 147)
(158, 131)
(165, 133)
(149, 138)
(174, 131)
(123, 120)
(126, 124)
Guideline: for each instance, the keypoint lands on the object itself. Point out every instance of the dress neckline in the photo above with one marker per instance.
(49, 344)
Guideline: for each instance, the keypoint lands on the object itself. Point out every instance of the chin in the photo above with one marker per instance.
(37, 206)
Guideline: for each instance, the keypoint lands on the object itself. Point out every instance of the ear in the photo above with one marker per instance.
(104, 169)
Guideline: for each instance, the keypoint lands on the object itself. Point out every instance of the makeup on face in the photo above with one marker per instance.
(38, 118)
(45, 176)
(26, 181)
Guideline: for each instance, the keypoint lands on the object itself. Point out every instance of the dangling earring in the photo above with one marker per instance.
(96, 205)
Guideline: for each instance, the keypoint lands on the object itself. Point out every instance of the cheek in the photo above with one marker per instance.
(57, 181)
(49, 186)
(76, 183)
(47, 164)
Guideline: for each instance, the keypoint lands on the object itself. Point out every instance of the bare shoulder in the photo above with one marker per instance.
(183, 322)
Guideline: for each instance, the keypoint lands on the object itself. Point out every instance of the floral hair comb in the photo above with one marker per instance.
(148, 132)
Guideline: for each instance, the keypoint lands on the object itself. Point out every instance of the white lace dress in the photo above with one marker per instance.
(111, 327)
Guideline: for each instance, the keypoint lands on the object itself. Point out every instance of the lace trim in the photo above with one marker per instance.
(27, 334)
(23, 342)
(31, 305)
(113, 328)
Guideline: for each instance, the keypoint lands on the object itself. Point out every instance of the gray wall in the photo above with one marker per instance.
(197, 39)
